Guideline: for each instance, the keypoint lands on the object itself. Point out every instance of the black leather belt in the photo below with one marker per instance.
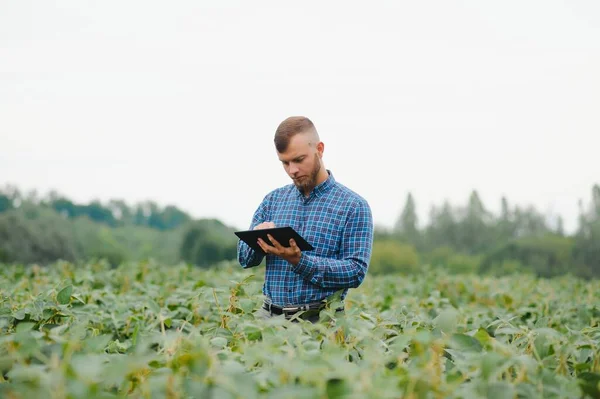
(291, 310)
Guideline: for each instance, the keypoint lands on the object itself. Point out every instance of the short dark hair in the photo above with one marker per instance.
(289, 128)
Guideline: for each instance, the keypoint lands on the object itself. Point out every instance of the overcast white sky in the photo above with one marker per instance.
(178, 102)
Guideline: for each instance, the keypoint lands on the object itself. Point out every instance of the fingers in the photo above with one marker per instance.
(275, 243)
(264, 246)
(294, 246)
(259, 226)
(276, 248)
(264, 225)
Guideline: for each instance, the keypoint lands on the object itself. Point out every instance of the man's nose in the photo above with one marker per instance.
(293, 169)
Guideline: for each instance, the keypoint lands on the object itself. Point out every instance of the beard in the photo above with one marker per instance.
(309, 182)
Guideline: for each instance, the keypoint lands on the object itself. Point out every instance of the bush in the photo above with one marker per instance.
(454, 262)
(509, 267)
(440, 256)
(41, 240)
(462, 263)
(546, 256)
(390, 256)
(208, 241)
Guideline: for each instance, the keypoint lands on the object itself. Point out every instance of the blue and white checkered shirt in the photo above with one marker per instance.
(336, 221)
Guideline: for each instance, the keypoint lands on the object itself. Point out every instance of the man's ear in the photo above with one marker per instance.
(320, 148)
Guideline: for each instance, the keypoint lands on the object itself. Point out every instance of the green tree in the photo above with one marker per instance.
(595, 211)
(406, 227)
(529, 222)
(173, 217)
(587, 247)
(443, 228)
(505, 226)
(5, 203)
(98, 213)
(121, 212)
(65, 207)
(560, 227)
(474, 228)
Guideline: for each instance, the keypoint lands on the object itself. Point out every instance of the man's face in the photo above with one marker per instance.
(302, 162)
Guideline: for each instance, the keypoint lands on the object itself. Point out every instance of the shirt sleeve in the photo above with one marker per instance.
(351, 269)
(247, 257)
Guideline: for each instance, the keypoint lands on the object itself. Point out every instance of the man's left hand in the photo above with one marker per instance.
(292, 253)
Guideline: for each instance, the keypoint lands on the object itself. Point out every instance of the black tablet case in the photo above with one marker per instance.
(281, 234)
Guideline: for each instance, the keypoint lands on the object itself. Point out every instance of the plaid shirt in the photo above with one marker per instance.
(336, 221)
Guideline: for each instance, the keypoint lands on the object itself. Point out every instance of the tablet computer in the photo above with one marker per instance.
(281, 234)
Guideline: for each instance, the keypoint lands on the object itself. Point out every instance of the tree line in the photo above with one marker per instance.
(466, 238)
(471, 238)
(43, 229)
(114, 213)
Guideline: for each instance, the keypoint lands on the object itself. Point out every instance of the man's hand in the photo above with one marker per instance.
(264, 225)
(292, 253)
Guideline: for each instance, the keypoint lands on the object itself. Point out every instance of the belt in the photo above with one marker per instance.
(291, 310)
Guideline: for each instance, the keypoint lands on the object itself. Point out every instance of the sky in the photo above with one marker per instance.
(178, 102)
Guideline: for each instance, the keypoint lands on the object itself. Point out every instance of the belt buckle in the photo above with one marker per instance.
(288, 311)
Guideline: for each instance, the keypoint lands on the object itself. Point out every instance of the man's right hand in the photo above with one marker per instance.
(264, 225)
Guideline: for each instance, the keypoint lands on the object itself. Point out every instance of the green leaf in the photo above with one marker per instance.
(219, 342)
(526, 391)
(484, 338)
(335, 300)
(134, 336)
(78, 299)
(247, 305)
(64, 296)
(500, 390)
(116, 347)
(252, 332)
(88, 367)
(465, 343)
(590, 383)
(508, 331)
(23, 327)
(338, 388)
(200, 283)
(196, 389)
(20, 314)
(447, 320)
(154, 307)
(97, 344)
(490, 364)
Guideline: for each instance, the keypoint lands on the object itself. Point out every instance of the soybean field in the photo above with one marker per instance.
(145, 330)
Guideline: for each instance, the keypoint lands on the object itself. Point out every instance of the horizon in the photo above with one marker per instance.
(551, 218)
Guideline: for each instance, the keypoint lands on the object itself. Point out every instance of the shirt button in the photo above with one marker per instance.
(289, 290)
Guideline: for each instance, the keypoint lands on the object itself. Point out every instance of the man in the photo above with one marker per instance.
(334, 219)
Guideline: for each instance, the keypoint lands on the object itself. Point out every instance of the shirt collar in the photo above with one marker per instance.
(321, 188)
